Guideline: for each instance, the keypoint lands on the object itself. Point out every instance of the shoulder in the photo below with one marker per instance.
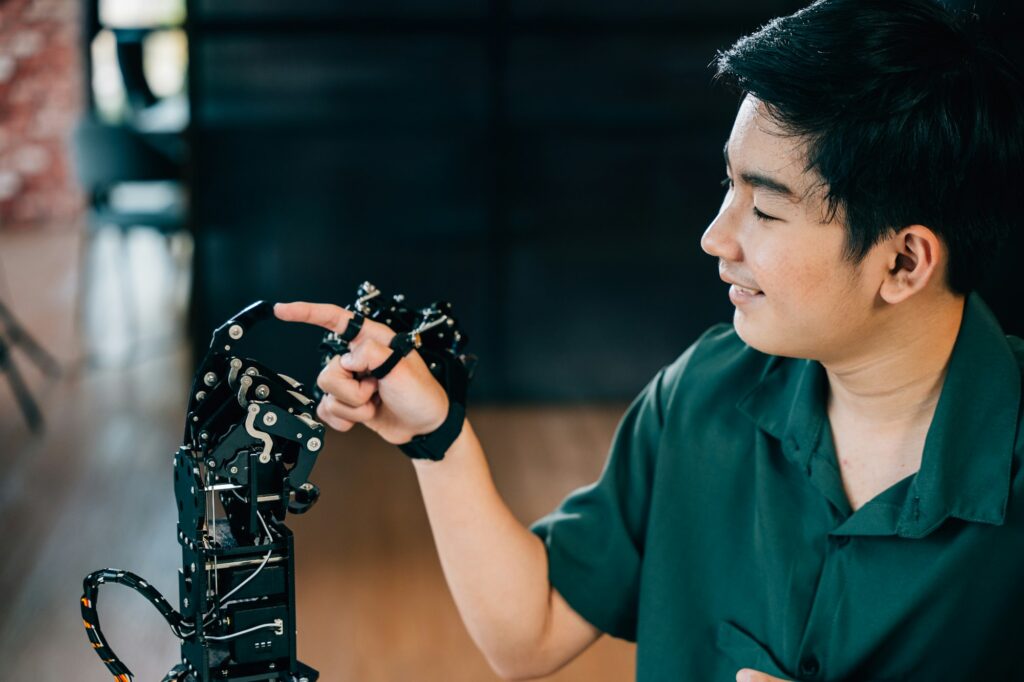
(1017, 346)
(718, 366)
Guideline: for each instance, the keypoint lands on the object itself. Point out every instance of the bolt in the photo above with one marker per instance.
(200, 395)
(313, 444)
(203, 435)
(262, 391)
(251, 372)
(270, 419)
(209, 378)
(211, 463)
(235, 332)
(234, 470)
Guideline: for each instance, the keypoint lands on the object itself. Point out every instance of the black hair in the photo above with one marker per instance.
(910, 117)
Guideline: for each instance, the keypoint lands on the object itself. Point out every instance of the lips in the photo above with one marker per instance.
(743, 288)
(747, 290)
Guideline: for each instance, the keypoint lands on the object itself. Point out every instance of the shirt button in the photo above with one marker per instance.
(809, 667)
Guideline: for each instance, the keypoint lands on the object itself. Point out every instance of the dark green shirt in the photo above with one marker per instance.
(719, 536)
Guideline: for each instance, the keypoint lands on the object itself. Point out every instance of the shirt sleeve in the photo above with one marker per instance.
(595, 538)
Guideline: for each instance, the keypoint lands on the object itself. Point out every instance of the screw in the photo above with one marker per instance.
(234, 470)
(313, 444)
(270, 419)
(262, 391)
(211, 463)
(235, 332)
(254, 408)
(264, 457)
(200, 395)
(209, 378)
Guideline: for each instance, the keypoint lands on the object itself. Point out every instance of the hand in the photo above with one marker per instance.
(748, 675)
(407, 402)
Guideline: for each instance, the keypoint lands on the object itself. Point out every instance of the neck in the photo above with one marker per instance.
(895, 376)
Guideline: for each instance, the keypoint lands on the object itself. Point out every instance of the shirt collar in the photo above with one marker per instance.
(965, 467)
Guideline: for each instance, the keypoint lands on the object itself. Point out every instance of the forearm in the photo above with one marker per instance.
(495, 567)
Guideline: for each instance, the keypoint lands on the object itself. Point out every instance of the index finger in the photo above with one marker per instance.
(331, 317)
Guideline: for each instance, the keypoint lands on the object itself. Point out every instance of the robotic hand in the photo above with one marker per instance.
(249, 446)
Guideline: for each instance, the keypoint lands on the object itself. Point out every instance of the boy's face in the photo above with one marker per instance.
(797, 295)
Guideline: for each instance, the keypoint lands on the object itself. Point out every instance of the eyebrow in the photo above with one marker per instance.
(762, 181)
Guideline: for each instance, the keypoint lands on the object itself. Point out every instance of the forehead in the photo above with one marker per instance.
(757, 144)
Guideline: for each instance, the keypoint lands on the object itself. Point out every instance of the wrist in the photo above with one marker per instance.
(434, 445)
(438, 421)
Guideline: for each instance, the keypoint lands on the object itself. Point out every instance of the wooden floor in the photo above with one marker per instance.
(95, 491)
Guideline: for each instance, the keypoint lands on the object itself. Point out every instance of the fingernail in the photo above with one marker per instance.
(743, 676)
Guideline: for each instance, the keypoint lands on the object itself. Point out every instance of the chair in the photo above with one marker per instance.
(131, 172)
(130, 183)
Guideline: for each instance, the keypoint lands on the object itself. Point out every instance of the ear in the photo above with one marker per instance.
(915, 256)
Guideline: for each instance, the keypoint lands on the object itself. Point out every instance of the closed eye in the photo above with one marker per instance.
(764, 217)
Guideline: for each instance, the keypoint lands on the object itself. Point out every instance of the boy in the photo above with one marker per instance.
(830, 487)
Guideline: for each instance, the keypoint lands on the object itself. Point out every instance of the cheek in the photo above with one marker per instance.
(809, 304)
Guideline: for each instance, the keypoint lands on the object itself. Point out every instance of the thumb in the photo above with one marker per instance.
(365, 356)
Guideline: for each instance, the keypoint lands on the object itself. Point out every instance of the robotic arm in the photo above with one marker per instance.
(250, 443)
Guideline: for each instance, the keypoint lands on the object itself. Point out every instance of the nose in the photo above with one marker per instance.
(719, 239)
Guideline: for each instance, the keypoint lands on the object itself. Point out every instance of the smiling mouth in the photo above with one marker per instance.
(748, 292)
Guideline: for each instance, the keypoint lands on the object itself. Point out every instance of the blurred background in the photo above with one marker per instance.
(547, 166)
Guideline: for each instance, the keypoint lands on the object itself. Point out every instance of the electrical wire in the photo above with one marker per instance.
(278, 625)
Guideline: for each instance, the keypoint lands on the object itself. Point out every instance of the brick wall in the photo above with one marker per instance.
(40, 99)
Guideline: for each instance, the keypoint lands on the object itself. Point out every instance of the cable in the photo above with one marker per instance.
(221, 601)
(278, 625)
(91, 620)
(242, 584)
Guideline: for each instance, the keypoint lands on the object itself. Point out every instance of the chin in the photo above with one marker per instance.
(769, 341)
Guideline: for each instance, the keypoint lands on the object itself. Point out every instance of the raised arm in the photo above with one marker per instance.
(496, 568)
